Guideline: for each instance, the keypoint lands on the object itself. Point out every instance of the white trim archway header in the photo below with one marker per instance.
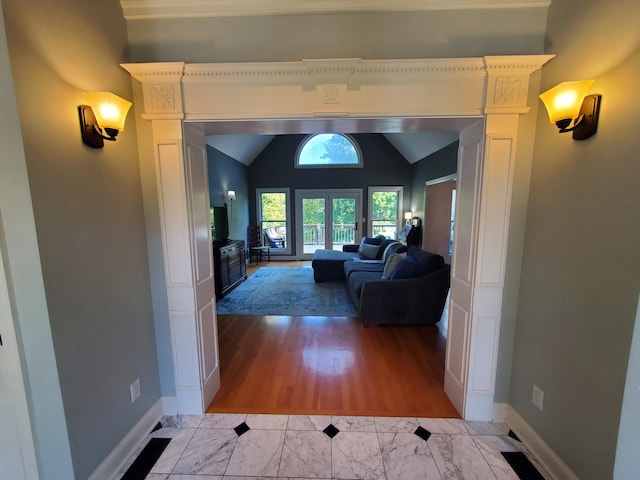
(466, 87)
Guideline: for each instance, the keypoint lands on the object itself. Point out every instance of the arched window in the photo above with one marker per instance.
(328, 150)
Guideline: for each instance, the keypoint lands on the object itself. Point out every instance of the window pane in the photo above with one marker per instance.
(274, 212)
(384, 214)
(344, 222)
(328, 149)
(313, 214)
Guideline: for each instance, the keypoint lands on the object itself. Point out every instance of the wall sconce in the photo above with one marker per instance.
(103, 117)
(231, 194)
(571, 109)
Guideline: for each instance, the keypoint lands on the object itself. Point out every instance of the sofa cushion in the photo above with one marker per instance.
(427, 262)
(407, 268)
(391, 264)
(358, 266)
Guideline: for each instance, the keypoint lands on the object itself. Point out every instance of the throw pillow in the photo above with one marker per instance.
(408, 268)
(372, 241)
(391, 264)
(368, 251)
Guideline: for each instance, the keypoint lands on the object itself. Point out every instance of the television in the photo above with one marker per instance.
(219, 225)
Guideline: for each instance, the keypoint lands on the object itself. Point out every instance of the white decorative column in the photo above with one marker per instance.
(162, 90)
(506, 99)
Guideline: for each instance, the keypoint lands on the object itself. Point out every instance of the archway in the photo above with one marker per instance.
(483, 96)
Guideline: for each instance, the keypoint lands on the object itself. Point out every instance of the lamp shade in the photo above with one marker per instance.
(563, 101)
(232, 194)
(110, 110)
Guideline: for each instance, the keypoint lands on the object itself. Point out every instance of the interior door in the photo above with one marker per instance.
(438, 221)
(327, 219)
(463, 268)
(202, 259)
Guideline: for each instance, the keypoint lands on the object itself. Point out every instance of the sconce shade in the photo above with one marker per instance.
(572, 110)
(103, 118)
(232, 195)
(565, 99)
(110, 110)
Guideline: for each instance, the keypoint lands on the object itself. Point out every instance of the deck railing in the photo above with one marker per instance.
(314, 234)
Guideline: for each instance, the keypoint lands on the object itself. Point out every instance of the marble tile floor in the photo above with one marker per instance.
(295, 447)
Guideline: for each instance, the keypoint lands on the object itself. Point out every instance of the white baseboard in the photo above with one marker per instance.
(170, 406)
(553, 467)
(110, 468)
(500, 412)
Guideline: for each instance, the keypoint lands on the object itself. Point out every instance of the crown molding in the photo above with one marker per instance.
(146, 9)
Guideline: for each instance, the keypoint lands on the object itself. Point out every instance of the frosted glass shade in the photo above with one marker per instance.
(110, 110)
(565, 99)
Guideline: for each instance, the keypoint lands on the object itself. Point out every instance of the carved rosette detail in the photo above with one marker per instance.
(162, 98)
(331, 94)
(507, 91)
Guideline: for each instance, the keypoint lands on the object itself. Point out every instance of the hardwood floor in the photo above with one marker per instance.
(329, 366)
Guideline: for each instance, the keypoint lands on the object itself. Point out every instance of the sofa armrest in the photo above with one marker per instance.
(405, 302)
(350, 247)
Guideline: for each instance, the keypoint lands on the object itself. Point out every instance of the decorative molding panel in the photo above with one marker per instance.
(447, 87)
(140, 9)
(508, 82)
(161, 86)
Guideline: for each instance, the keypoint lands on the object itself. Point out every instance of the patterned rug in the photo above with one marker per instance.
(287, 291)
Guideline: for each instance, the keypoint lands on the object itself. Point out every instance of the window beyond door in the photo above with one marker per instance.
(273, 211)
(385, 206)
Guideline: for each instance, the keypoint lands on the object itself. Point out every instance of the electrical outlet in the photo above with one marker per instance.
(134, 388)
(537, 397)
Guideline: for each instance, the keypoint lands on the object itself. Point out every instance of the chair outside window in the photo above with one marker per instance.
(256, 249)
(272, 238)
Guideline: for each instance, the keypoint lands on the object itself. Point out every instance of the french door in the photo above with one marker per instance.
(327, 219)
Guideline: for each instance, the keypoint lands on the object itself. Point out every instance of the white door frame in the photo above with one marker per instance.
(340, 94)
(17, 450)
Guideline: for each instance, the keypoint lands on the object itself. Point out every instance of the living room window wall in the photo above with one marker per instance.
(385, 211)
(274, 213)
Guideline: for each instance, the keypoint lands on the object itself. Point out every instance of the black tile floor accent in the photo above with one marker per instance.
(146, 460)
(157, 427)
(513, 435)
(423, 433)
(241, 429)
(331, 431)
(522, 466)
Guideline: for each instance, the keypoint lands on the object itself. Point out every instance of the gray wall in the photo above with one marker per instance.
(274, 167)
(439, 164)
(226, 174)
(580, 283)
(89, 219)
(456, 33)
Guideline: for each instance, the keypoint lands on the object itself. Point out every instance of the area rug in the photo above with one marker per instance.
(287, 291)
